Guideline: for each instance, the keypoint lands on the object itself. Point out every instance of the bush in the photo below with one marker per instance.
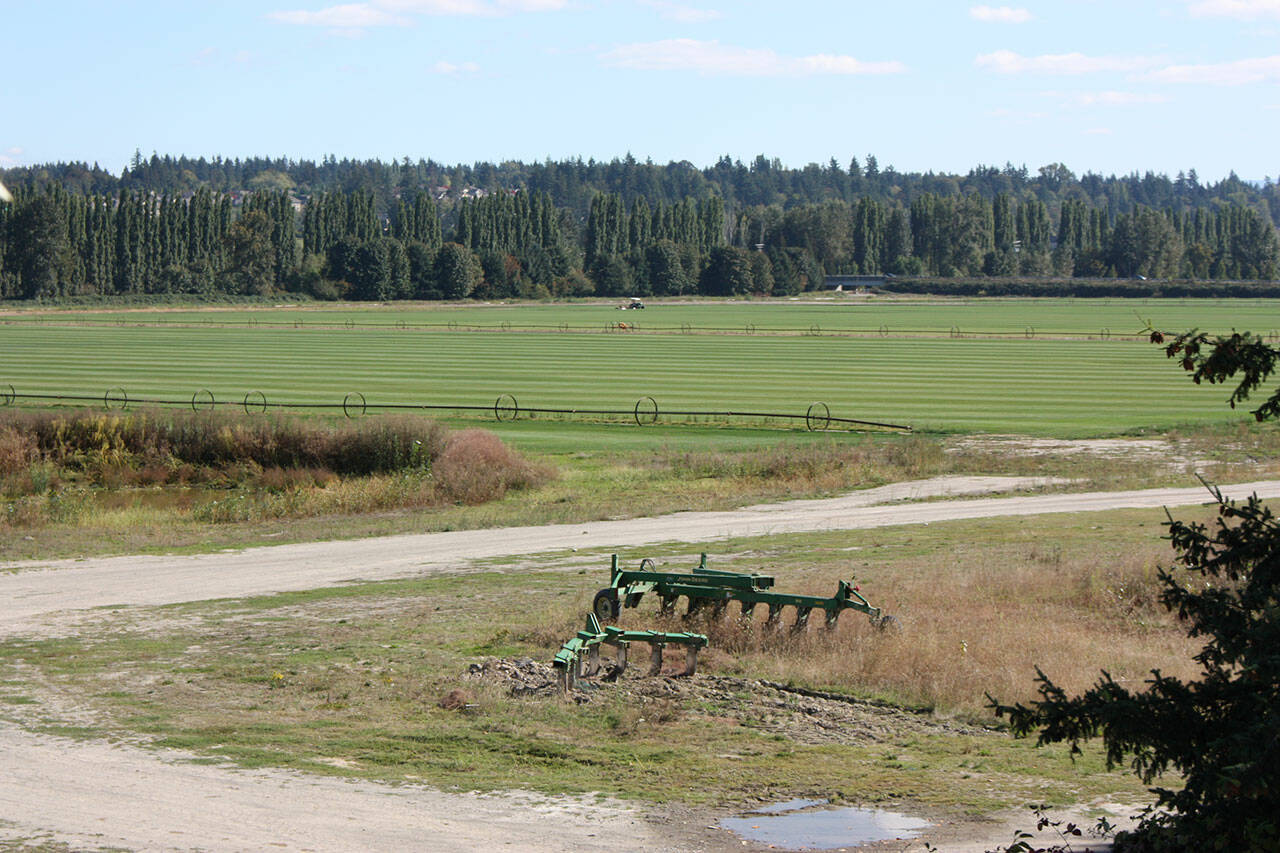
(476, 467)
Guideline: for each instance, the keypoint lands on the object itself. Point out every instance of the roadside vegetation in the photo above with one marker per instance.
(81, 483)
(66, 468)
(375, 680)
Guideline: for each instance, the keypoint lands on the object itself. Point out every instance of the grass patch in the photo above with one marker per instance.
(350, 680)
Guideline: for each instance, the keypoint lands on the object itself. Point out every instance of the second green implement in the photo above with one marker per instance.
(714, 589)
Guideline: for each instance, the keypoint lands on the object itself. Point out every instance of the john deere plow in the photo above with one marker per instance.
(705, 588)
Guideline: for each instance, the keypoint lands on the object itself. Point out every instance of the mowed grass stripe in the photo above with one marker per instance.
(832, 314)
(1036, 386)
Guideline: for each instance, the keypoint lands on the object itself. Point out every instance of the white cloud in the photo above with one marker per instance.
(443, 67)
(1000, 14)
(682, 13)
(1008, 62)
(711, 57)
(353, 16)
(11, 156)
(436, 7)
(1098, 131)
(1244, 10)
(1240, 72)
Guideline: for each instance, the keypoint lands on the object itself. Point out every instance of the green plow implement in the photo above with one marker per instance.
(580, 657)
(714, 589)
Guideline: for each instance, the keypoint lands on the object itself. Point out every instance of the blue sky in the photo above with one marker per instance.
(1110, 87)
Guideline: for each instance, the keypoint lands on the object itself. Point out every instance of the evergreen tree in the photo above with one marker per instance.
(1221, 732)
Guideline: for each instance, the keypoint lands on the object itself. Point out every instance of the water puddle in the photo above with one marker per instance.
(796, 825)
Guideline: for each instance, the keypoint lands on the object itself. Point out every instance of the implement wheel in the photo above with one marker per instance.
(605, 606)
(888, 624)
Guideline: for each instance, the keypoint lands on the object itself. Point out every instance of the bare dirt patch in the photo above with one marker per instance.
(1172, 454)
(803, 716)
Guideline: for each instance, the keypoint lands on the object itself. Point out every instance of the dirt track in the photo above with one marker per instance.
(90, 794)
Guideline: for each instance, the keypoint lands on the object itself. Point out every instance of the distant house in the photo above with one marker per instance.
(852, 282)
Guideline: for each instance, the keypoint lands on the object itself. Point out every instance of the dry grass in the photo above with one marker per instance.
(975, 617)
(58, 468)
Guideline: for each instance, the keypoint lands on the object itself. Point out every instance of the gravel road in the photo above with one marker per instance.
(91, 794)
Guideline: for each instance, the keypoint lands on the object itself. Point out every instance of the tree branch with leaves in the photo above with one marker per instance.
(1221, 732)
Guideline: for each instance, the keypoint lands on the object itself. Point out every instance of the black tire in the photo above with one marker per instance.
(889, 624)
(605, 606)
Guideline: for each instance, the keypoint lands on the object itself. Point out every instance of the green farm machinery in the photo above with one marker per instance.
(580, 656)
(712, 589)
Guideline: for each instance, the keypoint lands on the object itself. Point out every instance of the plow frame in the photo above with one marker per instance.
(580, 656)
(716, 588)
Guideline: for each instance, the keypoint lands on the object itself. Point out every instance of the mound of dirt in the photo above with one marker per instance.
(804, 716)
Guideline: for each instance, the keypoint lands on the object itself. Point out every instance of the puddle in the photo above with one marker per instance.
(789, 806)
(788, 825)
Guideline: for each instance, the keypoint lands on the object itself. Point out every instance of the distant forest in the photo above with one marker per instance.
(393, 230)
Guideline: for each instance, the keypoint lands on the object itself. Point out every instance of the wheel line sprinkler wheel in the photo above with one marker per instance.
(203, 397)
(114, 395)
(9, 397)
(818, 417)
(353, 405)
(255, 402)
(642, 412)
(504, 410)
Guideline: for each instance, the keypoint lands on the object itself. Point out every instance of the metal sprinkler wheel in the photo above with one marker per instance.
(255, 402)
(505, 408)
(818, 417)
(115, 398)
(353, 405)
(646, 413)
(202, 399)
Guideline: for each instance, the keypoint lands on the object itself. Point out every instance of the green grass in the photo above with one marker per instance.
(825, 313)
(346, 681)
(1042, 386)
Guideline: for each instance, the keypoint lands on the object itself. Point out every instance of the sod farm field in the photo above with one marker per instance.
(1066, 368)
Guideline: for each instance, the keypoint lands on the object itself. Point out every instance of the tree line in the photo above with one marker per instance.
(56, 243)
(573, 183)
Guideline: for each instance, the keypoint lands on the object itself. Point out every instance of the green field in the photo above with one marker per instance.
(1043, 385)
(826, 315)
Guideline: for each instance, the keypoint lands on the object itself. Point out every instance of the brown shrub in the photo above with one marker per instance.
(476, 467)
(17, 450)
(456, 699)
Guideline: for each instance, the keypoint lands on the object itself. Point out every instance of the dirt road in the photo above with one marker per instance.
(33, 591)
(96, 794)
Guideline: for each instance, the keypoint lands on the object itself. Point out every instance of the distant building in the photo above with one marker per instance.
(852, 282)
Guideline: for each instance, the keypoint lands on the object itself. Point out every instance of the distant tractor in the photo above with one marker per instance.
(635, 302)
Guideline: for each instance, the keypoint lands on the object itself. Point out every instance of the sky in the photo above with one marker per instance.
(1109, 87)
